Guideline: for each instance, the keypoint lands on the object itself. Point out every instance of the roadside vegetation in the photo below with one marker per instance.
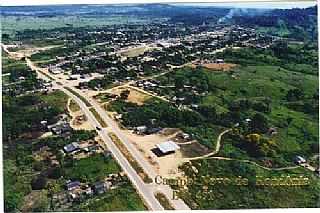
(79, 96)
(98, 117)
(74, 107)
(164, 201)
(130, 159)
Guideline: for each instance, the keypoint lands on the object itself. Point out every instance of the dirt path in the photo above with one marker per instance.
(217, 149)
(186, 143)
(256, 164)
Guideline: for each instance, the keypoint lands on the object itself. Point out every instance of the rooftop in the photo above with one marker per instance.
(71, 147)
(168, 146)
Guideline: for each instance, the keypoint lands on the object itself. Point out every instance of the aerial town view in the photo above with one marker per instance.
(146, 107)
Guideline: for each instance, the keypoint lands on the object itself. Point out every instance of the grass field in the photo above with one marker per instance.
(267, 81)
(74, 107)
(11, 24)
(92, 169)
(57, 98)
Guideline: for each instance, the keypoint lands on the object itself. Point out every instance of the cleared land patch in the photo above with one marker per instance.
(73, 106)
(216, 66)
(135, 51)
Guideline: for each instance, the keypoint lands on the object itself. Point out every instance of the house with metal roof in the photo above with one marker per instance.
(71, 147)
(299, 160)
(99, 187)
(167, 147)
(72, 185)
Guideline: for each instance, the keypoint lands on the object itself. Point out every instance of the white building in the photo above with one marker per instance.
(167, 147)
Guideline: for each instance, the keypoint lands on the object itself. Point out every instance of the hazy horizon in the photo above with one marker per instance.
(236, 3)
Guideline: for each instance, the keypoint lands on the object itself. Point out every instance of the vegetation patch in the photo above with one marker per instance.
(92, 169)
(201, 195)
(123, 198)
(98, 117)
(57, 99)
(74, 107)
(164, 201)
(79, 96)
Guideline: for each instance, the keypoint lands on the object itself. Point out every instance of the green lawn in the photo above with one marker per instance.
(92, 169)
(57, 99)
(11, 24)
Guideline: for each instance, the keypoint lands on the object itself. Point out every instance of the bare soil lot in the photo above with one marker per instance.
(191, 150)
(134, 96)
(78, 119)
(166, 165)
(217, 66)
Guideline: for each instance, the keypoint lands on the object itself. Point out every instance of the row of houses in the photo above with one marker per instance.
(83, 149)
(75, 190)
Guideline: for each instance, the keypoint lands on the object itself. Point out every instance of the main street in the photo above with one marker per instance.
(142, 188)
(146, 191)
(177, 203)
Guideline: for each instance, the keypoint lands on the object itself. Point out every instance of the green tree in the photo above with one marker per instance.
(294, 95)
(259, 123)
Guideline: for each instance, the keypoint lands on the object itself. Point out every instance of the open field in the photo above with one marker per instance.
(73, 106)
(134, 51)
(57, 98)
(11, 24)
(167, 165)
(135, 96)
(216, 66)
(92, 169)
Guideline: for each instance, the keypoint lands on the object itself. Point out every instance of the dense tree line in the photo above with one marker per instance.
(301, 22)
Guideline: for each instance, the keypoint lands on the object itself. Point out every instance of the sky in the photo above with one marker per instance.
(248, 4)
